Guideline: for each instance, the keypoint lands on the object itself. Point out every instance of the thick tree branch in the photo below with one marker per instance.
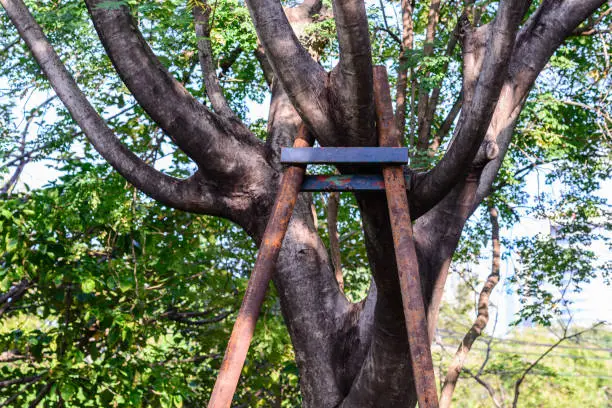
(265, 65)
(166, 189)
(201, 18)
(545, 30)
(476, 115)
(303, 79)
(351, 79)
(320, 320)
(481, 319)
(233, 164)
(9, 401)
(436, 241)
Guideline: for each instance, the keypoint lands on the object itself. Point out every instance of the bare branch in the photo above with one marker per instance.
(428, 48)
(352, 78)
(19, 381)
(407, 43)
(481, 319)
(211, 81)
(10, 356)
(186, 319)
(25, 159)
(15, 293)
(486, 385)
(13, 398)
(41, 394)
(425, 125)
(446, 125)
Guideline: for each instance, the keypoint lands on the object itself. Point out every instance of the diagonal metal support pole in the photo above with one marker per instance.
(243, 330)
(405, 252)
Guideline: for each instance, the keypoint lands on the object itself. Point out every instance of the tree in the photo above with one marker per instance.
(348, 354)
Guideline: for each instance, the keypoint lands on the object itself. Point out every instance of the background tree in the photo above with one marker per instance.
(351, 354)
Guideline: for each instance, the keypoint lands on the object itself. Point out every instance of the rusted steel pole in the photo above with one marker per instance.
(405, 252)
(242, 333)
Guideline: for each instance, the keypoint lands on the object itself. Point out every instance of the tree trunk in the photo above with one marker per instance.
(349, 355)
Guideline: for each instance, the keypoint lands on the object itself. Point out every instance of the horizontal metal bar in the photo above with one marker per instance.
(361, 182)
(355, 182)
(345, 155)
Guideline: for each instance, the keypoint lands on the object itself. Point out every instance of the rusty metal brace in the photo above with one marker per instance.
(242, 333)
(405, 252)
(291, 184)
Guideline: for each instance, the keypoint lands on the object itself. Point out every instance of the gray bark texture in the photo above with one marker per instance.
(349, 355)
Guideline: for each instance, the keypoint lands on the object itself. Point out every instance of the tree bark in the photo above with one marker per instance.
(351, 355)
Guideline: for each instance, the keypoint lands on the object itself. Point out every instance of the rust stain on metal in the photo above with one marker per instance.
(243, 330)
(405, 252)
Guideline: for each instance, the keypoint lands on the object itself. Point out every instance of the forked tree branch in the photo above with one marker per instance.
(166, 189)
(210, 140)
(545, 30)
(482, 318)
(476, 116)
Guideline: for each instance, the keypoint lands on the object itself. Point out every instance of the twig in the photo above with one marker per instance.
(565, 337)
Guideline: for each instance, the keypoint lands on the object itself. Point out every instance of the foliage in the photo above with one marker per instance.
(130, 303)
